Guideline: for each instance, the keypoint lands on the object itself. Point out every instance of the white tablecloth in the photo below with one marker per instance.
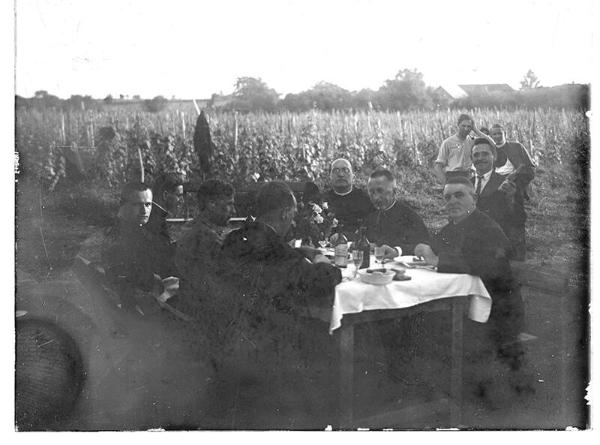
(425, 285)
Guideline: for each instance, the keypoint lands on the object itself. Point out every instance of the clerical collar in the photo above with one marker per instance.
(393, 204)
(270, 227)
(343, 194)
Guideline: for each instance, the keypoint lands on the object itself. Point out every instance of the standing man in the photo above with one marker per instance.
(454, 157)
(512, 157)
(351, 206)
(497, 197)
(393, 223)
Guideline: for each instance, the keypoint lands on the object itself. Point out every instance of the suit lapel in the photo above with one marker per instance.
(492, 185)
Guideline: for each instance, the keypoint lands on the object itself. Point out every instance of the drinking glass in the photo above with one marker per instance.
(379, 253)
(357, 259)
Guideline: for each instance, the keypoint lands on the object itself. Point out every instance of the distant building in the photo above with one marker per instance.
(220, 101)
(486, 88)
(450, 92)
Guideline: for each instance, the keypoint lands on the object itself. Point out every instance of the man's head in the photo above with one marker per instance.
(168, 193)
(498, 134)
(459, 195)
(216, 201)
(465, 125)
(341, 175)
(136, 203)
(276, 206)
(483, 156)
(381, 188)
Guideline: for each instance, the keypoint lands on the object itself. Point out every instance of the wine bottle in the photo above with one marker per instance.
(340, 246)
(364, 245)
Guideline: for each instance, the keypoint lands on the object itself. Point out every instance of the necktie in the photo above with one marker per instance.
(479, 181)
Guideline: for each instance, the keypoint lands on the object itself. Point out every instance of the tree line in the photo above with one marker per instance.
(406, 91)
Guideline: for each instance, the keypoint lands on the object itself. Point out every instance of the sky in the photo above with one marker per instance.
(191, 49)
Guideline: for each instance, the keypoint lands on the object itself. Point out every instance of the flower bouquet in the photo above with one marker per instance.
(313, 223)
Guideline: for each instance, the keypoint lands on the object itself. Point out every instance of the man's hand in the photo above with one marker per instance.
(309, 252)
(320, 258)
(425, 251)
(389, 253)
(438, 171)
(509, 187)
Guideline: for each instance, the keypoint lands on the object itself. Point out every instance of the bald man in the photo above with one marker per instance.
(350, 205)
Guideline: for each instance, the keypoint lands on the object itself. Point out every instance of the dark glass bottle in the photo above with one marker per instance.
(340, 246)
(363, 245)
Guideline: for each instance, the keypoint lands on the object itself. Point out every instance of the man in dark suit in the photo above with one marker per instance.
(498, 198)
(277, 350)
(133, 254)
(393, 223)
(350, 205)
(472, 243)
(513, 159)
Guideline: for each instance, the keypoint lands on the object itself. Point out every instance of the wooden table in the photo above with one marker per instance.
(346, 363)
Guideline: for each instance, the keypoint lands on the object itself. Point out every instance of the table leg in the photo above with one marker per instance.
(456, 382)
(346, 376)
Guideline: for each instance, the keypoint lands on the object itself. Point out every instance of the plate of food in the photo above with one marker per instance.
(376, 276)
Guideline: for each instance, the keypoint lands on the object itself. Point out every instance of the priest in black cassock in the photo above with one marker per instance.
(349, 204)
(472, 243)
(393, 223)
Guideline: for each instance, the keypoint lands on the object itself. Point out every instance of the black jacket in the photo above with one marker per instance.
(477, 246)
(397, 226)
(267, 268)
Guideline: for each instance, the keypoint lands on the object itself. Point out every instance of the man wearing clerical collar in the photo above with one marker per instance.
(472, 243)
(393, 223)
(350, 205)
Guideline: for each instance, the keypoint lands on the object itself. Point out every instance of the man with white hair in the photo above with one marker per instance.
(350, 205)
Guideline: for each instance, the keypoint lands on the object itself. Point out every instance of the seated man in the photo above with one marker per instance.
(497, 197)
(393, 223)
(275, 359)
(350, 205)
(198, 249)
(287, 277)
(168, 200)
(472, 243)
(135, 254)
